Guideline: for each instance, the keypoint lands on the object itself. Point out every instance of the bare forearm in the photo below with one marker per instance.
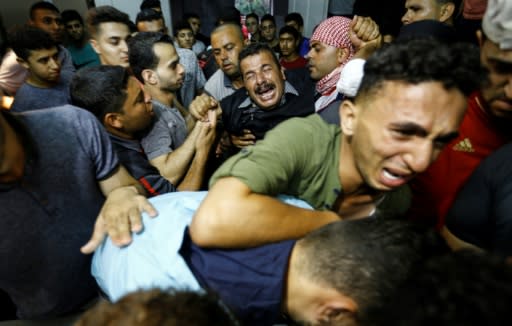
(195, 174)
(234, 219)
(174, 165)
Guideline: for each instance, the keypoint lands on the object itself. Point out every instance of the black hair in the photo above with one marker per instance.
(141, 53)
(423, 60)
(70, 15)
(180, 25)
(105, 14)
(268, 17)
(147, 15)
(290, 30)
(149, 4)
(100, 89)
(257, 48)
(228, 14)
(189, 15)
(42, 5)
(25, 39)
(294, 16)
(253, 15)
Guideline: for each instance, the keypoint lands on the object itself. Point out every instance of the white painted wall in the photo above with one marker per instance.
(313, 12)
(132, 8)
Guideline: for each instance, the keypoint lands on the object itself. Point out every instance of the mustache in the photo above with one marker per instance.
(264, 87)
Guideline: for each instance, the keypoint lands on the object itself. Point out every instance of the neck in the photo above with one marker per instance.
(291, 57)
(237, 82)
(165, 97)
(37, 82)
(119, 133)
(351, 180)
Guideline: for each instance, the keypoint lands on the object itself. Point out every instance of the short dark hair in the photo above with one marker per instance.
(229, 14)
(158, 307)
(295, 17)
(148, 4)
(459, 288)
(268, 17)
(188, 15)
(257, 48)
(253, 15)
(25, 39)
(105, 14)
(141, 53)
(42, 5)
(147, 15)
(180, 25)
(100, 89)
(290, 30)
(70, 15)
(423, 60)
(365, 259)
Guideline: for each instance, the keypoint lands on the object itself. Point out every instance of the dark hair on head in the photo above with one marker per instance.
(188, 15)
(365, 259)
(257, 48)
(70, 15)
(148, 15)
(294, 17)
(290, 30)
(428, 28)
(42, 5)
(180, 25)
(423, 60)
(228, 14)
(462, 288)
(100, 89)
(253, 15)
(149, 4)
(158, 307)
(268, 17)
(141, 53)
(105, 14)
(25, 39)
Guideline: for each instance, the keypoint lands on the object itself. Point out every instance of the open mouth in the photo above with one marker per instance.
(393, 178)
(265, 91)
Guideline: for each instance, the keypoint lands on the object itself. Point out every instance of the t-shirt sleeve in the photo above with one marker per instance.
(158, 140)
(268, 167)
(94, 140)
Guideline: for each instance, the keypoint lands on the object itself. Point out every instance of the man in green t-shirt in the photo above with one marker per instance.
(410, 103)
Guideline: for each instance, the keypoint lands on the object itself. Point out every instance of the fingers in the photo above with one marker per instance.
(96, 239)
(212, 118)
(365, 28)
(201, 105)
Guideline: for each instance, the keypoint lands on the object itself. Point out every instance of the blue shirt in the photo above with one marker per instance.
(250, 281)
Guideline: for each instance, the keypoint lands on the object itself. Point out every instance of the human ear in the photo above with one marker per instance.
(113, 120)
(341, 55)
(149, 76)
(447, 11)
(348, 112)
(338, 311)
(95, 46)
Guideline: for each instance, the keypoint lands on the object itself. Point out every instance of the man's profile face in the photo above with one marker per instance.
(226, 45)
(268, 30)
(49, 21)
(157, 25)
(44, 66)
(396, 136)
(417, 10)
(322, 59)
(75, 29)
(12, 154)
(185, 38)
(264, 79)
(288, 44)
(110, 44)
(170, 72)
(497, 92)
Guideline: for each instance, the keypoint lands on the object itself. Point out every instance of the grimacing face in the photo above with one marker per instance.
(497, 93)
(226, 45)
(264, 79)
(394, 137)
(110, 44)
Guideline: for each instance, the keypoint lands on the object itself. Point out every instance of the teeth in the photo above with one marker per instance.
(389, 175)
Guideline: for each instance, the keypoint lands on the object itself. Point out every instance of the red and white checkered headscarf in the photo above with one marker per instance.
(334, 31)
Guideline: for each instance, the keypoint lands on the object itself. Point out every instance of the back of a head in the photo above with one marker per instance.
(455, 66)
(160, 308)
(70, 15)
(366, 259)
(295, 17)
(105, 14)
(42, 5)
(150, 4)
(25, 39)
(141, 53)
(148, 15)
(427, 28)
(99, 89)
(458, 289)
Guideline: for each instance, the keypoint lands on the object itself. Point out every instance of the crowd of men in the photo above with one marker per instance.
(341, 179)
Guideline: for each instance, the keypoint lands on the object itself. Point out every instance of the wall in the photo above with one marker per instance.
(313, 12)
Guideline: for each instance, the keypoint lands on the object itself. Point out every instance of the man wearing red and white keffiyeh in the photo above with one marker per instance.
(334, 42)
